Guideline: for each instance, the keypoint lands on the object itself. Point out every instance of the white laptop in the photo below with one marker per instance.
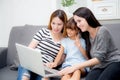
(31, 59)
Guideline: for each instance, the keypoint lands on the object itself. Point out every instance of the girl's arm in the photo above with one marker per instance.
(57, 59)
(83, 51)
(78, 44)
(59, 56)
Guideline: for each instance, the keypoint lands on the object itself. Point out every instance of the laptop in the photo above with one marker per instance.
(31, 59)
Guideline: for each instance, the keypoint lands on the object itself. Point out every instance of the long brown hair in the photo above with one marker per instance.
(62, 16)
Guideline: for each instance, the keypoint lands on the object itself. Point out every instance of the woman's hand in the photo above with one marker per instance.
(67, 70)
(51, 65)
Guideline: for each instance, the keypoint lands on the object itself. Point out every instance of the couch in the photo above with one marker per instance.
(8, 55)
(23, 35)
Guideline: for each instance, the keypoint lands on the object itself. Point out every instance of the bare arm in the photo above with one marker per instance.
(33, 44)
(88, 63)
(58, 58)
(78, 44)
(83, 51)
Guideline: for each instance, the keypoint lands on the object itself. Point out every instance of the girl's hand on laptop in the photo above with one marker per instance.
(51, 65)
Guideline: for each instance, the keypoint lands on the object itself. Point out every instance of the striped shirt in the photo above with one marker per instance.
(47, 46)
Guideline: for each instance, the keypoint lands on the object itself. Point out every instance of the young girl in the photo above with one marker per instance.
(73, 46)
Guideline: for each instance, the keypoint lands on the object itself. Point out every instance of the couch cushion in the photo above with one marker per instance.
(115, 32)
(7, 74)
(3, 54)
(22, 35)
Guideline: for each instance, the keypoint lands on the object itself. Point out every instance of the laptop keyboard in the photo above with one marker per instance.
(47, 72)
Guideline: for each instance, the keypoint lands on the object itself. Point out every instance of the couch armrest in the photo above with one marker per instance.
(3, 57)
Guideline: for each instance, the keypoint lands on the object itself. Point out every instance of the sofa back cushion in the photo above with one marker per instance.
(22, 35)
(115, 32)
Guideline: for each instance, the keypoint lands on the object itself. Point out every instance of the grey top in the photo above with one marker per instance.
(104, 49)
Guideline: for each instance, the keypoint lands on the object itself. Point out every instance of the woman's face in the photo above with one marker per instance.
(81, 23)
(57, 25)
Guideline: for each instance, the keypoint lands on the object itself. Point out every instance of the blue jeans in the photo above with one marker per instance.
(24, 72)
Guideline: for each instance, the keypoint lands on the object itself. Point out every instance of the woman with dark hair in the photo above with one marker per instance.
(104, 56)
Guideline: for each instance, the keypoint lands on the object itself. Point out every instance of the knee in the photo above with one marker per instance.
(66, 77)
(25, 78)
(78, 72)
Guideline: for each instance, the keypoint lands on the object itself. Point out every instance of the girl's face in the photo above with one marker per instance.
(71, 33)
(81, 23)
(57, 25)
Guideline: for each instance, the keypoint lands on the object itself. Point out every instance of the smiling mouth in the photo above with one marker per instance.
(56, 30)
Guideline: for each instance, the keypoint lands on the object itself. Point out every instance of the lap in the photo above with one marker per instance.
(25, 72)
(111, 72)
(22, 71)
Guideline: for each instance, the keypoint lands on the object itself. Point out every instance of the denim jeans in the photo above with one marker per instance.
(24, 72)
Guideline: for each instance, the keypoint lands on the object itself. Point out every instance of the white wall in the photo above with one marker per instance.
(21, 12)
